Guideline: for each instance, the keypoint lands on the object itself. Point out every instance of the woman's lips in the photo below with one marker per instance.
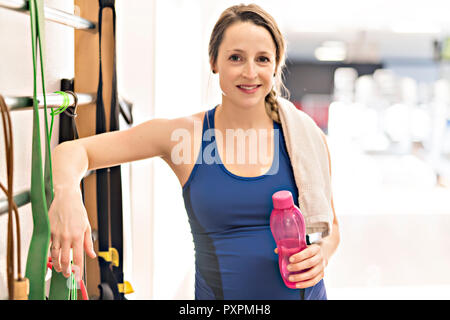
(249, 89)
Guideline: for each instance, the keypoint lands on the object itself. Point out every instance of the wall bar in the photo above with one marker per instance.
(21, 199)
(24, 197)
(51, 14)
(54, 100)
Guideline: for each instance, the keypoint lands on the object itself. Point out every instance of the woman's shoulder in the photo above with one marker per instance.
(189, 126)
(187, 122)
(292, 113)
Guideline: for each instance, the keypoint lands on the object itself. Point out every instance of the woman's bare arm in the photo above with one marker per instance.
(72, 159)
(69, 223)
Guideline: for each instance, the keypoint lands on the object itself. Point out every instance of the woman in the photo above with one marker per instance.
(228, 202)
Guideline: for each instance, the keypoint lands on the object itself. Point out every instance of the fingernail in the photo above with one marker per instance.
(289, 267)
(291, 259)
(291, 279)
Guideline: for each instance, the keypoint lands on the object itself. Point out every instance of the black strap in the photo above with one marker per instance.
(67, 125)
(109, 186)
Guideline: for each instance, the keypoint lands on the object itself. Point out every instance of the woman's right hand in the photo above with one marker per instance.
(70, 229)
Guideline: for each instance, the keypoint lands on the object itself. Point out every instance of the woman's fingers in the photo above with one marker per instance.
(307, 275)
(78, 257)
(305, 264)
(65, 257)
(55, 250)
(311, 262)
(88, 245)
(60, 252)
(310, 251)
(70, 229)
(311, 282)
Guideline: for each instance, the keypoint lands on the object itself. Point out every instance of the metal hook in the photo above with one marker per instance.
(75, 105)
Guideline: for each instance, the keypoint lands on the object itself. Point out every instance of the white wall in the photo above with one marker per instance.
(177, 93)
(135, 69)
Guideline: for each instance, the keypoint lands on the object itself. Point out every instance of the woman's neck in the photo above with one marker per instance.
(231, 116)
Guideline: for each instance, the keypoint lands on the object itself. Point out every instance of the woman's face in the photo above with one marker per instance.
(246, 64)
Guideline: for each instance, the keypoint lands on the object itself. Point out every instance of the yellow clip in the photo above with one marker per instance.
(111, 256)
(125, 287)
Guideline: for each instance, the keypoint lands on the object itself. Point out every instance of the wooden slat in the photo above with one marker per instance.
(86, 80)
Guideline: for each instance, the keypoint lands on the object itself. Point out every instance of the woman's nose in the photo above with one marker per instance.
(249, 71)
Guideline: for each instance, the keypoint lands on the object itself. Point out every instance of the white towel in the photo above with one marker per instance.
(309, 155)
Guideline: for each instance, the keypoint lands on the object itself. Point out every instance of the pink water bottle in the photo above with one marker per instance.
(288, 229)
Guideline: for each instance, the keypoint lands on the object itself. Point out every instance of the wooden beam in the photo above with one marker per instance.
(86, 80)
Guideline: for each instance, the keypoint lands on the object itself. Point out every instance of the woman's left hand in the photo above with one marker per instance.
(313, 261)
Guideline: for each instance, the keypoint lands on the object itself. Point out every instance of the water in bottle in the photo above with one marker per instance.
(288, 229)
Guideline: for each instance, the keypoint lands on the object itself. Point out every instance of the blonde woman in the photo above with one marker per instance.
(228, 201)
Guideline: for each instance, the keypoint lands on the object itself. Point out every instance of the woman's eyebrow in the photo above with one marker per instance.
(240, 50)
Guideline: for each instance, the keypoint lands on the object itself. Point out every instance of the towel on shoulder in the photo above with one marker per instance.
(308, 151)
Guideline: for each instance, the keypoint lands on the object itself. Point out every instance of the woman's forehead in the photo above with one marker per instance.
(245, 36)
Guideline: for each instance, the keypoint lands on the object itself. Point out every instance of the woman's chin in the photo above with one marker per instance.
(248, 103)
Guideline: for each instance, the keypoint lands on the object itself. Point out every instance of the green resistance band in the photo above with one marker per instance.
(41, 185)
(53, 113)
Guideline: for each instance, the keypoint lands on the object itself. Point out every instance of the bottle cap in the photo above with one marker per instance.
(282, 199)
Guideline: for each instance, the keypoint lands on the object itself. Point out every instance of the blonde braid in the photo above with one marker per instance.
(272, 106)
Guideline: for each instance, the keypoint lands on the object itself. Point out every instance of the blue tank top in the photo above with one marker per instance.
(229, 216)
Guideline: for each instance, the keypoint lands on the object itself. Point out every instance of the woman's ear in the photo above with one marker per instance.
(213, 67)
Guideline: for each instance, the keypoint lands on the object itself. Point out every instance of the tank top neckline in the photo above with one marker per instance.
(210, 116)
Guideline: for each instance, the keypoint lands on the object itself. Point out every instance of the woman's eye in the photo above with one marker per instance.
(234, 57)
(264, 59)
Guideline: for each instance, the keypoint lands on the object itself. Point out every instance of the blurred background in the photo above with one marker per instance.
(374, 75)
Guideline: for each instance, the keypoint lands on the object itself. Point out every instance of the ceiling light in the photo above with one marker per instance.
(331, 51)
